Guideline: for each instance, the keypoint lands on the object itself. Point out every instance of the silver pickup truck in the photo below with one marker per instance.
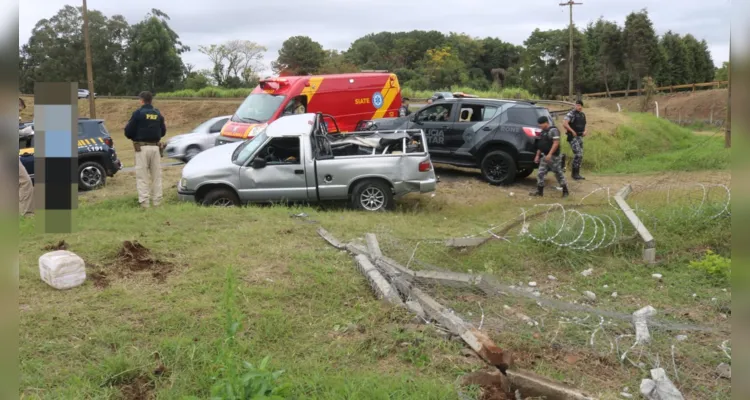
(296, 159)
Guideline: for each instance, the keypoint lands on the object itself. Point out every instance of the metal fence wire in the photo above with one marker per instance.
(577, 341)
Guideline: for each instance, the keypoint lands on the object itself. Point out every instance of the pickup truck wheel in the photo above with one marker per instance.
(372, 195)
(524, 173)
(498, 167)
(91, 175)
(221, 198)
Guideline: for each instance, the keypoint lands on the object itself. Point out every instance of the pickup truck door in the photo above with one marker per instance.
(281, 178)
(436, 121)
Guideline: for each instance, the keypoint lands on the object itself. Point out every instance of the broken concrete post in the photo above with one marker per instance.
(466, 242)
(649, 252)
(357, 249)
(373, 246)
(659, 387)
(534, 385)
(640, 320)
(330, 239)
(478, 341)
(416, 308)
(449, 278)
(379, 284)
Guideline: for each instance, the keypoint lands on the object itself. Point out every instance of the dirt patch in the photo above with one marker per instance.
(61, 245)
(100, 278)
(139, 388)
(493, 385)
(683, 105)
(134, 257)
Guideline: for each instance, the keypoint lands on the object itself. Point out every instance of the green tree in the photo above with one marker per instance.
(641, 47)
(153, 55)
(442, 68)
(336, 63)
(700, 60)
(236, 61)
(545, 61)
(55, 50)
(497, 54)
(604, 49)
(722, 74)
(678, 69)
(299, 55)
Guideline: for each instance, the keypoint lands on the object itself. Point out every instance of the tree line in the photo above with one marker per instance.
(147, 55)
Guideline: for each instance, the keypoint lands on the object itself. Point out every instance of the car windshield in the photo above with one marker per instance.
(243, 152)
(258, 107)
(203, 126)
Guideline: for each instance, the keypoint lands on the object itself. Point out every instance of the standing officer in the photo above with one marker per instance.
(25, 186)
(548, 157)
(575, 126)
(146, 128)
(404, 109)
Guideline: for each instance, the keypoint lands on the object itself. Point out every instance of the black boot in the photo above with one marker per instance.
(565, 191)
(539, 192)
(577, 174)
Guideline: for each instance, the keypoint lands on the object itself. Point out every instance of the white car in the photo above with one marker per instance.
(84, 94)
(186, 146)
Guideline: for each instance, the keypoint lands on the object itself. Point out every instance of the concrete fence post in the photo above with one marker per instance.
(618, 107)
(657, 108)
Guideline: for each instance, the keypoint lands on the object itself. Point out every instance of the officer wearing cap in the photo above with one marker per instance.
(575, 127)
(146, 128)
(548, 157)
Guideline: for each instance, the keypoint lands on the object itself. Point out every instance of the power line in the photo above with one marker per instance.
(570, 4)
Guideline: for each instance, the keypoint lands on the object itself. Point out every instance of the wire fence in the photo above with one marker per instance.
(562, 332)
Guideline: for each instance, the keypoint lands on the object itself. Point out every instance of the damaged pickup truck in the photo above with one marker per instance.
(296, 159)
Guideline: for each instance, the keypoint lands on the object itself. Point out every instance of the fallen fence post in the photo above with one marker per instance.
(649, 252)
(379, 284)
(357, 249)
(527, 382)
(330, 239)
(373, 246)
(466, 242)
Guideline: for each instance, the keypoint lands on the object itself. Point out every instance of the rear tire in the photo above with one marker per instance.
(372, 195)
(221, 198)
(498, 168)
(91, 175)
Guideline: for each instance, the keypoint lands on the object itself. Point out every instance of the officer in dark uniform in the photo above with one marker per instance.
(548, 157)
(146, 128)
(575, 127)
(404, 109)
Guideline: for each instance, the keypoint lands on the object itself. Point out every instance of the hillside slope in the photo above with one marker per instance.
(690, 106)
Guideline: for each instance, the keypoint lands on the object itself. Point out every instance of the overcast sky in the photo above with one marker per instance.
(336, 23)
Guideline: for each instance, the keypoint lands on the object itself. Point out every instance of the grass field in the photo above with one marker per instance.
(234, 285)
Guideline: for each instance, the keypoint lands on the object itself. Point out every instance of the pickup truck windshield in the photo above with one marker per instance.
(242, 154)
(258, 108)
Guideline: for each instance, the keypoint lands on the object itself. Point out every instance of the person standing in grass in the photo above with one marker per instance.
(548, 157)
(575, 127)
(146, 128)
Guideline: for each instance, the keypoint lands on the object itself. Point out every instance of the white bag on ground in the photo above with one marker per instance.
(62, 269)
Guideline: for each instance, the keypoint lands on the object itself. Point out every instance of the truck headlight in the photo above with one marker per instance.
(183, 183)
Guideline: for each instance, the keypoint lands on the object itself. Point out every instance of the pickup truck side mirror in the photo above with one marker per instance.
(258, 163)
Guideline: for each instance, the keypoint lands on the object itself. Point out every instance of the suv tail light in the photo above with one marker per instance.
(425, 166)
(109, 142)
(531, 132)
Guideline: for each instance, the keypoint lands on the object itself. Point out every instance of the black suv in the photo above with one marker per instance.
(496, 136)
(97, 158)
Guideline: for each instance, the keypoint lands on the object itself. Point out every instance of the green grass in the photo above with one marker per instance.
(649, 144)
(216, 92)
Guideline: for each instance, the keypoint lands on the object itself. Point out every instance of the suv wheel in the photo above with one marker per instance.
(498, 167)
(91, 175)
(221, 198)
(372, 195)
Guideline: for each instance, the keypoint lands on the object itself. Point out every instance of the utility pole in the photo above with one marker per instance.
(570, 4)
(89, 66)
(728, 122)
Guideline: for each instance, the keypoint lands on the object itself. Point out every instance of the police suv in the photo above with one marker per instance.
(495, 136)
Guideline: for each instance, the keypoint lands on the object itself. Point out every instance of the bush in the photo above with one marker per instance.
(715, 266)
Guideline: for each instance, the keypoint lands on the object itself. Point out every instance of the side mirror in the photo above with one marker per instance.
(258, 163)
